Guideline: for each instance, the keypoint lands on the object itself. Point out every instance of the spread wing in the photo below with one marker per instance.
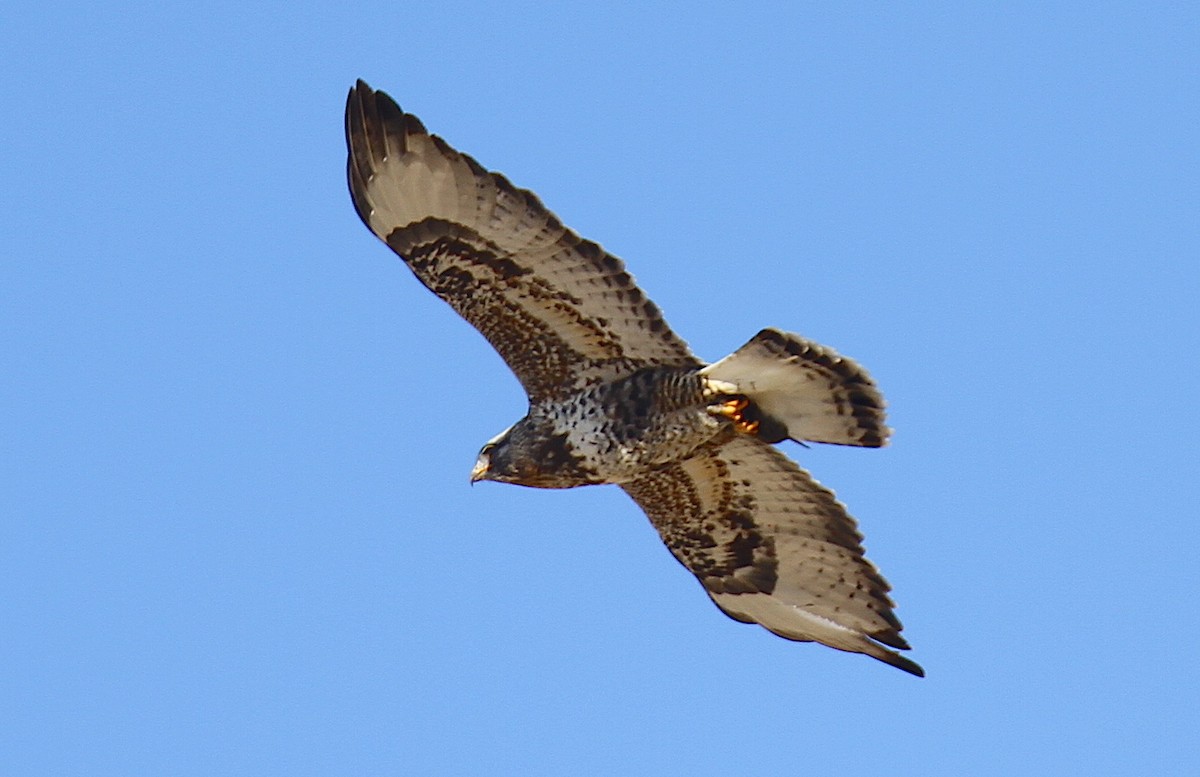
(561, 311)
(772, 546)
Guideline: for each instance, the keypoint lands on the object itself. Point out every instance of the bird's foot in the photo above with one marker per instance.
(739, 410)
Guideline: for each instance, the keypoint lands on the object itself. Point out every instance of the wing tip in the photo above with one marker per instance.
(900, 662)
(376, 128)
(376, 124)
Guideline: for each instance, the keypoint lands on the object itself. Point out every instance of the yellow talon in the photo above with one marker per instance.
(734, 409)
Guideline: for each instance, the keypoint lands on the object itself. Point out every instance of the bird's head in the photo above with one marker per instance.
(496, 460)
(530, 453)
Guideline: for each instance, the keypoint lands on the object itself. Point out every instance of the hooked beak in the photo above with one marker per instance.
(480, 470)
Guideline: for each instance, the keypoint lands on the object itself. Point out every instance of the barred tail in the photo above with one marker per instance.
(804, 391)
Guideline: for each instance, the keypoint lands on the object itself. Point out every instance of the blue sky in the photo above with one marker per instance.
(237, 536)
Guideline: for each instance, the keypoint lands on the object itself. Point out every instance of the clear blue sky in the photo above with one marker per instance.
(237, 536)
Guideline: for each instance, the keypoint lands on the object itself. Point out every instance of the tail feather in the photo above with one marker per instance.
(805, 391)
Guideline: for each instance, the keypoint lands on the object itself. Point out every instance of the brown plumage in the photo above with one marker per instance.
(617, 397)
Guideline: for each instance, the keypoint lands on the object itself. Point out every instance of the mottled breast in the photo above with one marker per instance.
(653, 417)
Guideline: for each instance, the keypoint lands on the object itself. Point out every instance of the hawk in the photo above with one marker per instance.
(616, 397)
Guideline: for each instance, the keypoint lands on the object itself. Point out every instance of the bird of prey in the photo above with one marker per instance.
(616, 397)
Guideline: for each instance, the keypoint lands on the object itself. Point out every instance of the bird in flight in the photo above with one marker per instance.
(616, 397)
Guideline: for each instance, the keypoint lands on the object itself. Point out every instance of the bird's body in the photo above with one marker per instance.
(616, 397)
(617, 429)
